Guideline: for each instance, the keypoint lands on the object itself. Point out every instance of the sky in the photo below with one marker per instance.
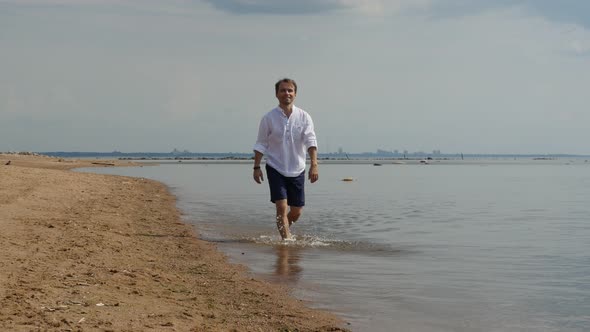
(459, 76)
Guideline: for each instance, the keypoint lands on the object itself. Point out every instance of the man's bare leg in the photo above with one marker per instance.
(294, 214)
(283, 219)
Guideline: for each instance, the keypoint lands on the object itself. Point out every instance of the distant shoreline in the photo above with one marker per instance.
(323, 156)
(377, 160)
(373, 162)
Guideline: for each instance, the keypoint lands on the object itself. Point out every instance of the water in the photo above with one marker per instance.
(449, 246)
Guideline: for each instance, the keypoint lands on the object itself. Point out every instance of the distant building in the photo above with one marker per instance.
(379, 151)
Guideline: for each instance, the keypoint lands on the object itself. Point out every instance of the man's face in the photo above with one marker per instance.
(286, 94)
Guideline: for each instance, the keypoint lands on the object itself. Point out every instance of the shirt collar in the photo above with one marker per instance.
(280, 110)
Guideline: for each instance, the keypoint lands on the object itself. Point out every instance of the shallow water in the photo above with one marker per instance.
(449, 246)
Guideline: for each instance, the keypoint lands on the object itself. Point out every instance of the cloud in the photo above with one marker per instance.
(281, 7)
(383, 7)
(304, 7)
(580, 47)
(63, 2)
(564, 11)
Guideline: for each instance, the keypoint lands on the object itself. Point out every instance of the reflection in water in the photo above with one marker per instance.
(287, 268)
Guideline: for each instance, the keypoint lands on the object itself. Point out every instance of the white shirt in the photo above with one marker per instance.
(285, 140)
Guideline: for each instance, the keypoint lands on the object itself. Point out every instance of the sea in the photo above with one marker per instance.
(437, 245)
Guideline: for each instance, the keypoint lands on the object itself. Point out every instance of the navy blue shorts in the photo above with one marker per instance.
(284, 187)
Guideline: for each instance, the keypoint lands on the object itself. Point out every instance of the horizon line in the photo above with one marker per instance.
(382, 153)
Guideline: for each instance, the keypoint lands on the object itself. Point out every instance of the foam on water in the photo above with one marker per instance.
(303, 241)
(295, 241)
(313, 241)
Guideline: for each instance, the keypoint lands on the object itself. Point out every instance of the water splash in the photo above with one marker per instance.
(296, 241)
(312, 241)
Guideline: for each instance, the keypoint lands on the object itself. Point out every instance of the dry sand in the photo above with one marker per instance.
(89, 252)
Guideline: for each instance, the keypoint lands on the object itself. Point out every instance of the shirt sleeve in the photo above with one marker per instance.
(262, 139)
(309, 137)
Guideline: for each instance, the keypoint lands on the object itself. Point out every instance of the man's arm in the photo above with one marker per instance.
(260, 148)
(257, 173)
(313, 169)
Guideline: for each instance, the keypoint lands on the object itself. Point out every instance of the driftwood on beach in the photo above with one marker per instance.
(104, 164)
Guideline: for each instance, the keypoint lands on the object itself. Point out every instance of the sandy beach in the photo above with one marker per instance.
(89, 252)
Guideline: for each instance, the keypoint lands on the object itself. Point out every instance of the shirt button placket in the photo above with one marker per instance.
(288, 131)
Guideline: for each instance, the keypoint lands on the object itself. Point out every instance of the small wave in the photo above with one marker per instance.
(317, 242)
(312, 241)
(297, 241)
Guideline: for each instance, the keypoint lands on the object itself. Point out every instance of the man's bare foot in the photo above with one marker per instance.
(290, 239)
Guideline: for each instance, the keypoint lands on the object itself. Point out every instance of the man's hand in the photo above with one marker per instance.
(313, 173)
(258, 177)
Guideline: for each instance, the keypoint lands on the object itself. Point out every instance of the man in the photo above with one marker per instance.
(285, 135)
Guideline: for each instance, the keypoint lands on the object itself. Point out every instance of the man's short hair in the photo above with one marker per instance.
(285, 80)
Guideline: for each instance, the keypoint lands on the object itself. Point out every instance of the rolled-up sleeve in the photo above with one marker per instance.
(262, 139)
(309, 138)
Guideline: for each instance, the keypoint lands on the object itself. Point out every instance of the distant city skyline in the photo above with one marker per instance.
(492, 77)
(338, 154)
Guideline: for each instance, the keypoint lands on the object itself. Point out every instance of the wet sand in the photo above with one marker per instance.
(89, 252)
